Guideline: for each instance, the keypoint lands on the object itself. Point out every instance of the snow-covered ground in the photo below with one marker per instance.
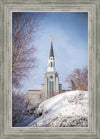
(64, 110)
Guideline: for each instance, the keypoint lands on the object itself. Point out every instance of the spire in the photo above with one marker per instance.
(51, 49)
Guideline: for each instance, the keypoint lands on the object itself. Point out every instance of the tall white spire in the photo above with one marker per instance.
(51, 60)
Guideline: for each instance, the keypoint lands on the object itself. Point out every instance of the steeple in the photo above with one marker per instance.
(51, 60)
(51, 49)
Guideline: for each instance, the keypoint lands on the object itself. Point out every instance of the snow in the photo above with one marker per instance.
(64, 110)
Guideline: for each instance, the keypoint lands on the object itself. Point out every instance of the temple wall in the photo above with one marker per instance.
(34, 96)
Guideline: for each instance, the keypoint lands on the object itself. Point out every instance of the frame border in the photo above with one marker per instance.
(7, 131)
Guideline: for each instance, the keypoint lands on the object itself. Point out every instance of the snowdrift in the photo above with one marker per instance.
(69, 109)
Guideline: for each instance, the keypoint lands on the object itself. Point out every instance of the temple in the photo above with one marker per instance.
(51, 86)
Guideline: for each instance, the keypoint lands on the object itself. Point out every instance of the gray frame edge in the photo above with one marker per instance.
(93, 132)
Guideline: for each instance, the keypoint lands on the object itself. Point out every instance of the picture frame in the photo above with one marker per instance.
(6, 129)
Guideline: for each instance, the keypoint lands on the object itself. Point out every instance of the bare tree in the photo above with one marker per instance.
(18, 105)
(24, 27)
(73, 86)
(78, 79)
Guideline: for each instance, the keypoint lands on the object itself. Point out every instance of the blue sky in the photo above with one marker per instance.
(70, 44)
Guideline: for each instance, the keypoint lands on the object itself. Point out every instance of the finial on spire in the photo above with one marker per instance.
(51, 38)
(51, 49)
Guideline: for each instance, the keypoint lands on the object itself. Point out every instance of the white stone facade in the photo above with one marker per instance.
(51, 65)
(51, 84)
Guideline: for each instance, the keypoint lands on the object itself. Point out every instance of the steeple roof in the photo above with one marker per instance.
(51, 51)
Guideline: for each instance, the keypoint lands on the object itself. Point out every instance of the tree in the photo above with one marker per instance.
(73, 86)
(78, 79)
(18, 105)
(24, 27)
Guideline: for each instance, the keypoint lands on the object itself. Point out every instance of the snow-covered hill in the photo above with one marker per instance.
(64, 110)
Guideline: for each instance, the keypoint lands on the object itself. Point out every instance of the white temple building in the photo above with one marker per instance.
(51, 86)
